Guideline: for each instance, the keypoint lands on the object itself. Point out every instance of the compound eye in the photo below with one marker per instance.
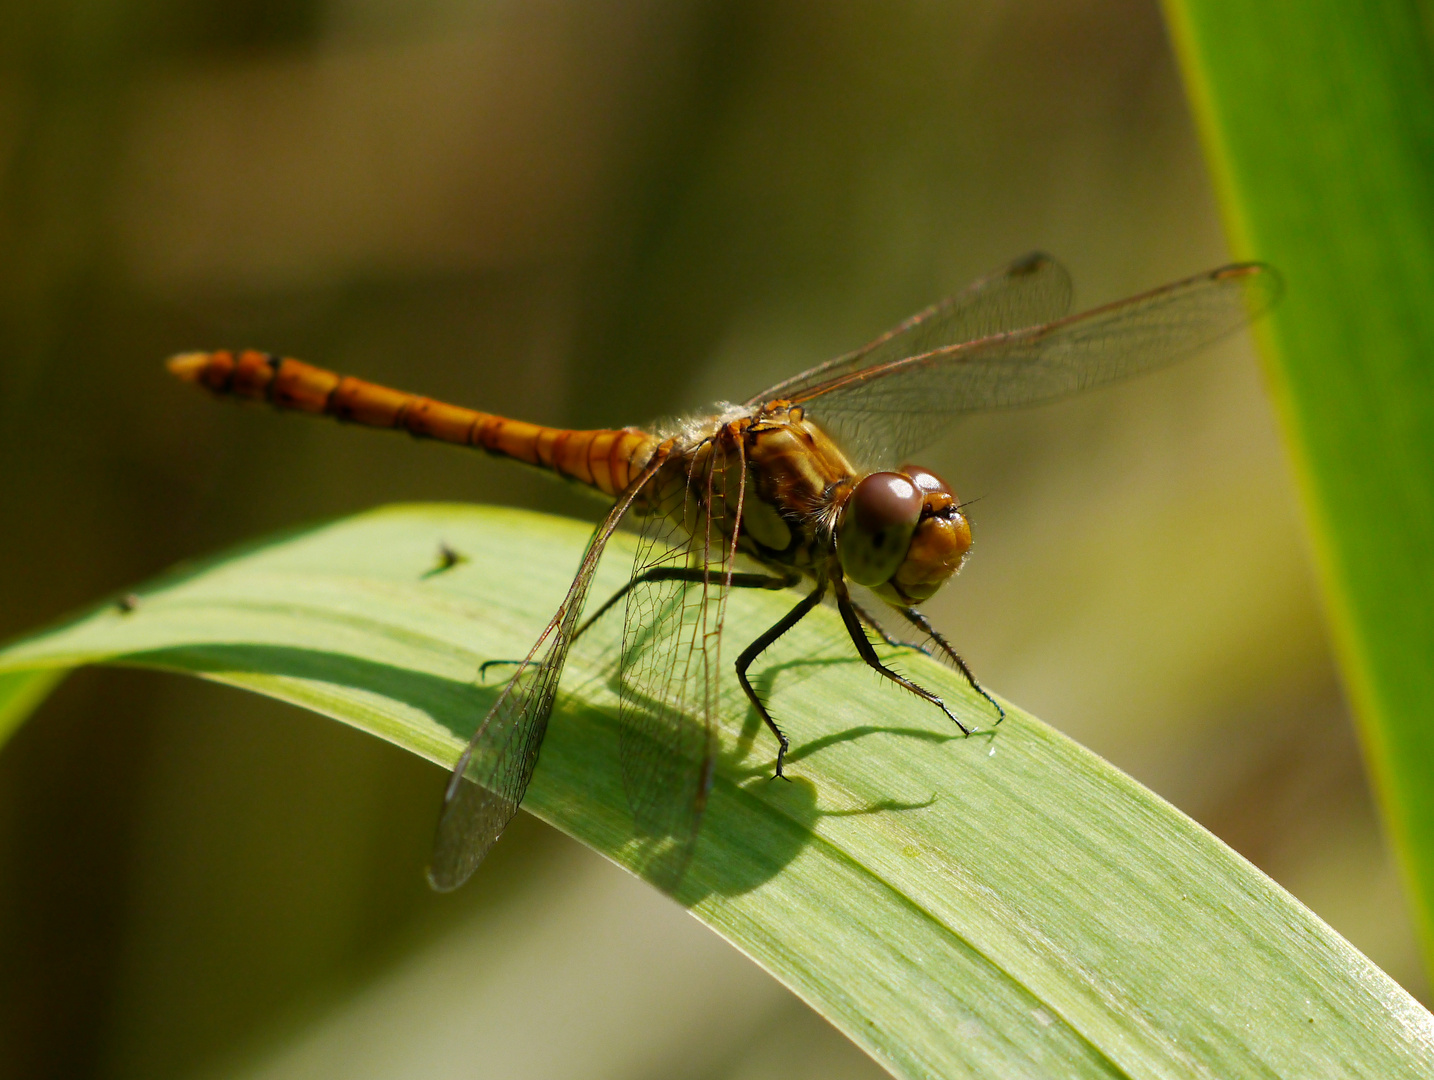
(876, 526)
(926, 480)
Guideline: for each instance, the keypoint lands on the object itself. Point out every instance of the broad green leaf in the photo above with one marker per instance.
(1004, 905)
(1319, 120)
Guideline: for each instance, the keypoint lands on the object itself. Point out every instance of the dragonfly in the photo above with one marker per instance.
(808, 483)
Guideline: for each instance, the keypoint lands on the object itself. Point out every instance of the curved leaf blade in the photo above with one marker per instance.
(1003, 905)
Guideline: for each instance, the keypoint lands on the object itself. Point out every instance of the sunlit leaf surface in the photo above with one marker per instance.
(1003, 905)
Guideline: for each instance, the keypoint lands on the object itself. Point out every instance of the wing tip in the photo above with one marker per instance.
(1242, 269)
(1265, 284)
(441, 882)
(1030, 263)
(455, 857)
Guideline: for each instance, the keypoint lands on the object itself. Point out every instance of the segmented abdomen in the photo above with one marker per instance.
(606, 460)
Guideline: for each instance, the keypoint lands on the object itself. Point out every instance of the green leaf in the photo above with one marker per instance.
(21, 692)
(1004, 905)
(1319, 119)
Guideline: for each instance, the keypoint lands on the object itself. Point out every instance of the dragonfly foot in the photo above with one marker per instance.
(784, 746)
(1000, 712)
(951, 716)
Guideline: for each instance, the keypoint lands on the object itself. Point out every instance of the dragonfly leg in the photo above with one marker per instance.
(756, 648)
(868, 653)
(880, 631)
(663, 573)
(686, 573)
(922, 623)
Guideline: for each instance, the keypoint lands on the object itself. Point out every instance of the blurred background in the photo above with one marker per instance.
(584, 215)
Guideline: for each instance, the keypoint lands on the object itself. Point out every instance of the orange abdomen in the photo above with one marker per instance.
(606, 460)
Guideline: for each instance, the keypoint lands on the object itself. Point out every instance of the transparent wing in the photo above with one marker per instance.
(882, 413)
(1032, 290)
(671, 669)
(493, 773)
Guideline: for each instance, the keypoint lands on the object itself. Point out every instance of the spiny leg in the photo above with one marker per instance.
(868, 653)
(756, 648)
(663, 573)
(880, 631)
(922, 623)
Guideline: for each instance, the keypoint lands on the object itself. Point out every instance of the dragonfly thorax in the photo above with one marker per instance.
(901, 534)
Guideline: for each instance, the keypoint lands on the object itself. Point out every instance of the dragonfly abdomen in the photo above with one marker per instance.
(605, 459)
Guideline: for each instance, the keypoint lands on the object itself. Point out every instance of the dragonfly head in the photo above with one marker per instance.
(902, 534)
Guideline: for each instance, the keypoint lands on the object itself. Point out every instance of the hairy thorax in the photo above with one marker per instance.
(788, 475)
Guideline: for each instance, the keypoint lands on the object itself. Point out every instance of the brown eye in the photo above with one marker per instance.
(886, 499)
(925, 479)
(876, 526)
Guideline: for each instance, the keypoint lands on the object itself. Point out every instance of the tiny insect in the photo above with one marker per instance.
(808, 483)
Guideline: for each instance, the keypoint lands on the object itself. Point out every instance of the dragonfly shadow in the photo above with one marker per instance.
(755, 828)
(455, 705)
(861, 731)
(755, 824)
(765, 684)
